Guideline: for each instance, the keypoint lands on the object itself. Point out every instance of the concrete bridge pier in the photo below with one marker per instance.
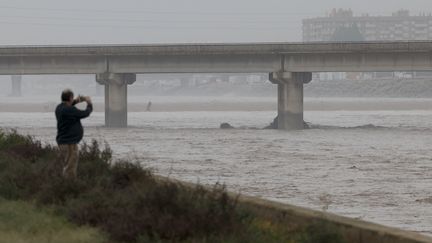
(16, 85)
(116, 97)
(290, 98)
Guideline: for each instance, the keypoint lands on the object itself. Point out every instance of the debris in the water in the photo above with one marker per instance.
(226, 125)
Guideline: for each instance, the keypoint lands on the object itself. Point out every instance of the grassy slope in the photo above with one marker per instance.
(23, 222)
(128, 203)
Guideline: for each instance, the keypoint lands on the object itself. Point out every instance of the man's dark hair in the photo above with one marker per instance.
(66, 95)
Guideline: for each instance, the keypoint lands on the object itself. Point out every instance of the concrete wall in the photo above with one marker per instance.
(352, 230)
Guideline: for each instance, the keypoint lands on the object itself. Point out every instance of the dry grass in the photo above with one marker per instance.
(24, 222)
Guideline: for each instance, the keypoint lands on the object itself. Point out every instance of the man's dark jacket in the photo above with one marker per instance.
(69, 128)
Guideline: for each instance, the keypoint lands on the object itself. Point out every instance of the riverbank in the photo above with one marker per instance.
(337, 165)
(129, 204)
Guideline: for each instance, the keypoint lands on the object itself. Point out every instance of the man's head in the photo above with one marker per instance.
(67, 96)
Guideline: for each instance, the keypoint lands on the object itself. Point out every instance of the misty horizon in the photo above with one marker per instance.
(133, 22)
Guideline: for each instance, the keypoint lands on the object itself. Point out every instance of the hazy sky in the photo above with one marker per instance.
(168, 21)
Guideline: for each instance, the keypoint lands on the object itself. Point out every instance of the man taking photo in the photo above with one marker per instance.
(70, 131)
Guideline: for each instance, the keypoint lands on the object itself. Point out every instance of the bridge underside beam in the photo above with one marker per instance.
(115, 97)
(358, 62)
(290, 98)
(304, 62)
(221, 63)
(34, 65)
(195, 64)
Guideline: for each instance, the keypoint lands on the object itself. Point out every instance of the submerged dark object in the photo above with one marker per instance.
(226, 125)
(273, 125)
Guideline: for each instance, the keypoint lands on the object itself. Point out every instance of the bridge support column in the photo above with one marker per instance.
(16, 85)
(116, 97)
(290, 98)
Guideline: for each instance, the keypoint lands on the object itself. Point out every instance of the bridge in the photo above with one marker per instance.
(290, 65)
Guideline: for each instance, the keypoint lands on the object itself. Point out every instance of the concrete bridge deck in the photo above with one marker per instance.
(213, 58)
(221, 48)
(289, 64)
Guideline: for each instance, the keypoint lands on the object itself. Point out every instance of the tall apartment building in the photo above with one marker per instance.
(399, 26)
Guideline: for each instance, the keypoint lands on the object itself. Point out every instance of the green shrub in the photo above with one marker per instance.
(320, 232)
(122, 198)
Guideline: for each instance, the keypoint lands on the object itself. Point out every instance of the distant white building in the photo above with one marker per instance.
(399, 26)
(342, 25)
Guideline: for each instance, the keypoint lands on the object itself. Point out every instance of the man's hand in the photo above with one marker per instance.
(87, 99)
(77, 100)
(81, 98)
